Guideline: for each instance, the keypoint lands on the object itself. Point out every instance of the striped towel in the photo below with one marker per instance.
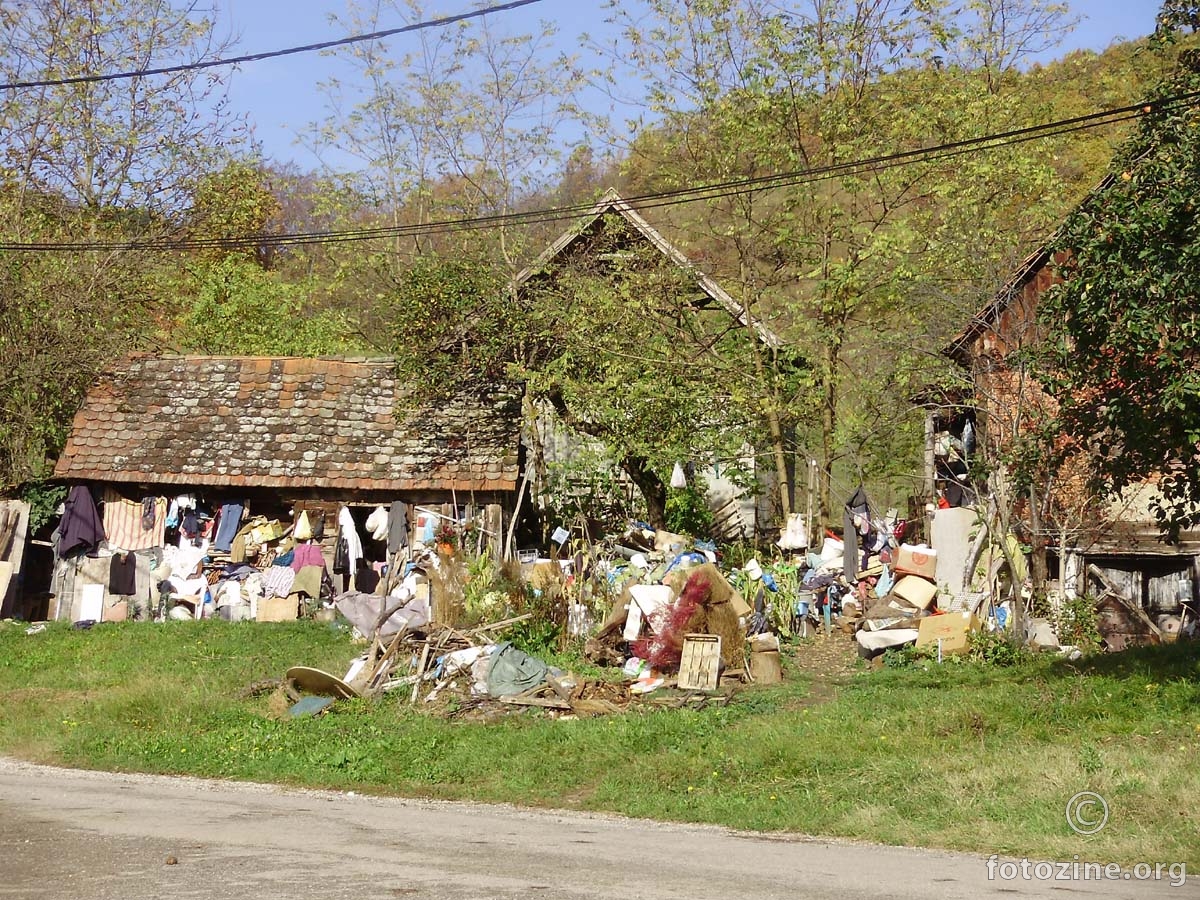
(123, 522)
(277, 581)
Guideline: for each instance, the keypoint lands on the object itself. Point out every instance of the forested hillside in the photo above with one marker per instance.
(136, 214)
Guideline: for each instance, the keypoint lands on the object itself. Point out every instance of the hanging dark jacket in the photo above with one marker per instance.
(857, 505)
(341, 556)
(81, 527)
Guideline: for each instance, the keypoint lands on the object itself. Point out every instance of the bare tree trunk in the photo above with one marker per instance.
(653, 490)
(1037, 561)
(771, 406)
(829, 423)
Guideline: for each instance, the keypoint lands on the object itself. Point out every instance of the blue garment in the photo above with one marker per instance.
(227, 528)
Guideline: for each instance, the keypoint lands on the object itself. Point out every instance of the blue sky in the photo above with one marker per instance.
(280, 96)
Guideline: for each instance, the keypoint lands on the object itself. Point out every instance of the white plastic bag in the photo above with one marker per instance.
(678, 477)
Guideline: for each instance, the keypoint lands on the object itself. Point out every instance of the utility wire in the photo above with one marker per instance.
(269, 54)
(651, 200)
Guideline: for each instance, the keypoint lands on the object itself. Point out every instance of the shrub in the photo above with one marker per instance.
(1076, 624)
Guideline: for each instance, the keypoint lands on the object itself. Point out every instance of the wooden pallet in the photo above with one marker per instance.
(700, 667)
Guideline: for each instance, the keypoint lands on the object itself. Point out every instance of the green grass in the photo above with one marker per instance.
(958, 756)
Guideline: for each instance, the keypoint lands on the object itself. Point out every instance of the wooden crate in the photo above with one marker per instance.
(700, 667)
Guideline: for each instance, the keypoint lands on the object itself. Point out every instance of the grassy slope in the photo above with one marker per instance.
(956, 756)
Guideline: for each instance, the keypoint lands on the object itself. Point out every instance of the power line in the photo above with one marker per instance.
(651, 200)
(269, 54)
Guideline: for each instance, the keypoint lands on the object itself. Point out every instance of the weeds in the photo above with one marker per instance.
(962, 755)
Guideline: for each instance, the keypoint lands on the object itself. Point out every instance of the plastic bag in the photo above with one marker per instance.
(678, 477)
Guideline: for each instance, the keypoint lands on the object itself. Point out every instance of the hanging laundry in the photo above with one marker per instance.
(227, 527)
(189, 527)
(349, 545)
(377, 524)
(856, 517)
(303, 530)
(397, 526)
(81, 527)
(122, 574)
(124, 522)
(179, 505)
(149, 513)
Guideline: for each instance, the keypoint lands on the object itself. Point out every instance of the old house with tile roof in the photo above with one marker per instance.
(301, 428)
(269, 443)
(612, 220)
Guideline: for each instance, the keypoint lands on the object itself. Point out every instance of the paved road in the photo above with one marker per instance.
(97, 836)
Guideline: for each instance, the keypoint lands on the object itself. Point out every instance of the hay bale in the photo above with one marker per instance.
(703, 606)
(722, 590)
(720, 619)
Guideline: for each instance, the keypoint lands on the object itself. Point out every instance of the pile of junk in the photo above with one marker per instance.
(674, 622)
(677, 629)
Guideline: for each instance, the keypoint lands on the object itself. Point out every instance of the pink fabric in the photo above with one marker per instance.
(307, 555)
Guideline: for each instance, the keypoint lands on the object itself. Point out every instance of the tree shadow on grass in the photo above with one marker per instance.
(1167, 662)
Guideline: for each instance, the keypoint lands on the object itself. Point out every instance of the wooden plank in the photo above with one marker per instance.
(543, 702)
(558, 687)
(14, 534)
(420, 672)
(700, 665)
(501, 624)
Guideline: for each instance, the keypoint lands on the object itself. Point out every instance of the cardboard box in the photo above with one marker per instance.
(278, 609)
(916, 590)
(951, 629)
(766, 667)
(916, 560)
(262, 534)
(116, 610)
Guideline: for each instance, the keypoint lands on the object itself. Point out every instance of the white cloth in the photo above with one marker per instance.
(377, 524)
(349, 533)
(880, 640)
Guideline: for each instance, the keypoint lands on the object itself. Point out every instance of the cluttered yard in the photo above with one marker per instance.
(967, 754)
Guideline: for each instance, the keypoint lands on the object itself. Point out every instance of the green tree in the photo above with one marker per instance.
(852, 263)
(103, 161)
(239, 309)
(1122, 328)
(464, 123)
(62, 318)
(134, 142)
(235, 201)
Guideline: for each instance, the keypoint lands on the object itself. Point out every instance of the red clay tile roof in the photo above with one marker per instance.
(260, 422)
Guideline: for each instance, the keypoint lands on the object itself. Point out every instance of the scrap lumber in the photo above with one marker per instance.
(544, 702)
(420, 671)
(559, 688)
(503, 623)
